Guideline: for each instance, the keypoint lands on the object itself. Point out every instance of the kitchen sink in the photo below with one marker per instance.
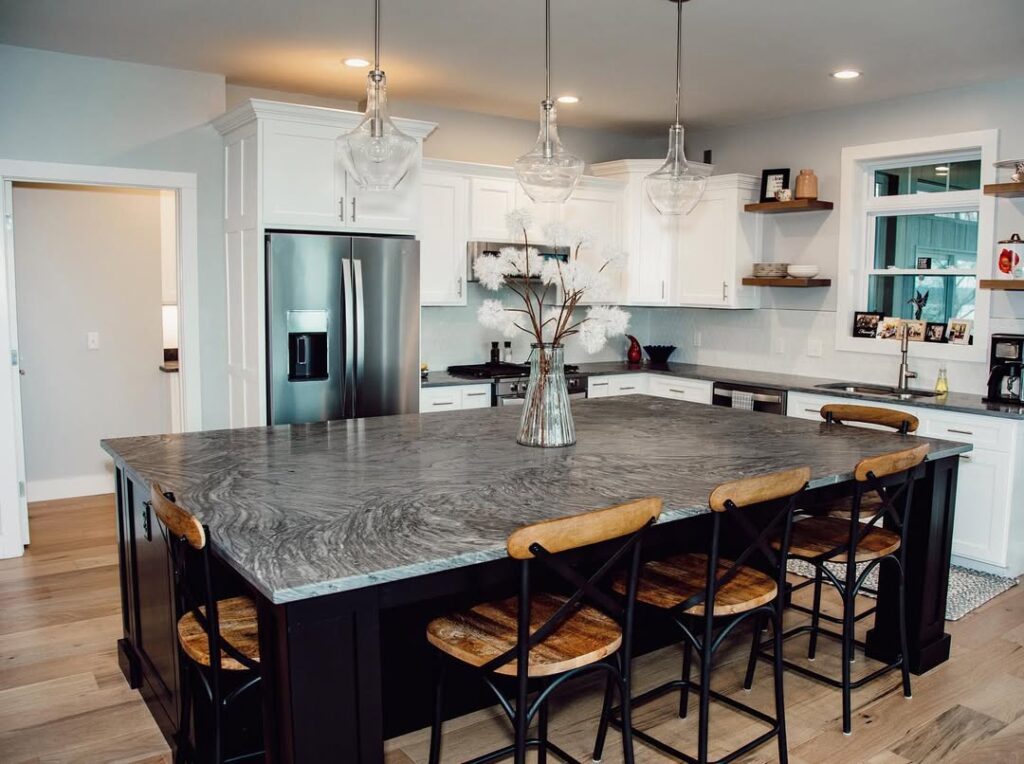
(881, 391)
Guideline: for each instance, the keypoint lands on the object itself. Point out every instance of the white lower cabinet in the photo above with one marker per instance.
(987, 492)
(676, 388)
(454, 398)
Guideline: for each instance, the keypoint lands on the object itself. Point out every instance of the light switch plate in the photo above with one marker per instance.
(814, 348)
(92, 340)
(696, 339)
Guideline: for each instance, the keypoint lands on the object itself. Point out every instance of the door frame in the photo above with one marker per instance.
(13, 503)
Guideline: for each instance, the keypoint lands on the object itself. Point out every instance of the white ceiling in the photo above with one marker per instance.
(744, 59)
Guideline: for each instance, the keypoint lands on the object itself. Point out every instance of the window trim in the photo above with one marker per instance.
(858, 207)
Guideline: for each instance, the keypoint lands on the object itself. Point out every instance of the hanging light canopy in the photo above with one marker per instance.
(677, 186)
(376, 154)
(548, 173)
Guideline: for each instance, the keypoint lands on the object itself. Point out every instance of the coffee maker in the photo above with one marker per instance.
(1006, 368)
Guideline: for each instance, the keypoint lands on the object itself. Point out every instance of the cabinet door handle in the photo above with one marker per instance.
(663, 290)
(599, 384)
(627, 388)
(959, 432)
(725, 291)
(460, 286)
(353, 209)
(474, 395)
(673, 390)
(813, 411)
(443, 403)
(341, 209)
(965, 457)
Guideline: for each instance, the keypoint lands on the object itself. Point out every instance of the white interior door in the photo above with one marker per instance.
(13, 503)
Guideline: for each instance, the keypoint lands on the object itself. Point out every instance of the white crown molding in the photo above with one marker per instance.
(258, 108)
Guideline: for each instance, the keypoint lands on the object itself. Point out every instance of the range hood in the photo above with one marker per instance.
(476, 249)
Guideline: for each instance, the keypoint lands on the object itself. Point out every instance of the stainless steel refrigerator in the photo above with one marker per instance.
(343, 326)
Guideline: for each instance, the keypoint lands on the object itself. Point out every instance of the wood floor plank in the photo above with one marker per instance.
(954, 731)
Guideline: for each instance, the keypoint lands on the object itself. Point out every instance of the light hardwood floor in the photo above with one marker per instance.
(63, 699)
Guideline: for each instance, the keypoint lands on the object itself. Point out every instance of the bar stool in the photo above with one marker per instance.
(849, 541)
(217, 638)
(545, 637)
(681, 586)
(842, 414)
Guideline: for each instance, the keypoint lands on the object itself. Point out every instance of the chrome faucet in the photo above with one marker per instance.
(905, 372)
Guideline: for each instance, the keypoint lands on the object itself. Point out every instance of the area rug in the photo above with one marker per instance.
(968, 589)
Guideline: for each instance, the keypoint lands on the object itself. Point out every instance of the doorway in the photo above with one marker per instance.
(100, 313)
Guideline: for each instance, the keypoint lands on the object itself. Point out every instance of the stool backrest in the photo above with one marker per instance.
(780, 490)
(546, 542)
(189, 552)
(842, 413)
(891, 463)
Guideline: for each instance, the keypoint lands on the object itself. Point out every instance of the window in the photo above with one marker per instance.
(916, 236)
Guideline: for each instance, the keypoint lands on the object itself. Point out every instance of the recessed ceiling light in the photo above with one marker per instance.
(568, 99)
(846, 74)
(356, 63)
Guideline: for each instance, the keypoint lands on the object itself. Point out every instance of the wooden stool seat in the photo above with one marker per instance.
(670, 582)
(237, 618)
(482, 633)
(842, 506)
(816, 536)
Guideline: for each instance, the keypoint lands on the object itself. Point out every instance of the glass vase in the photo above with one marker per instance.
(547, 418)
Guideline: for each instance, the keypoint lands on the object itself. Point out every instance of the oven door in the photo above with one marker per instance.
(766, 399)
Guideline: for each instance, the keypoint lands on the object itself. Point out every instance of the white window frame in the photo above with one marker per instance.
(859, 209)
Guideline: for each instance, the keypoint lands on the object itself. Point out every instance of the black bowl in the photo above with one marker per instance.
(659, 353)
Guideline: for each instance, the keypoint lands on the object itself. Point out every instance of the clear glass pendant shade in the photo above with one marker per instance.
(548, 173)
(376, 154)
(676, 186)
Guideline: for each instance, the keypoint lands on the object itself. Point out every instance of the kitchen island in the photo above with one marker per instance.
(350, 533)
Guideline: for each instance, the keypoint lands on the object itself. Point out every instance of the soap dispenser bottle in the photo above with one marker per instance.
(942, 383)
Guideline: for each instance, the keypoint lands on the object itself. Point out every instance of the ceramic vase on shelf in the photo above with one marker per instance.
(806, 185)
(547, 417)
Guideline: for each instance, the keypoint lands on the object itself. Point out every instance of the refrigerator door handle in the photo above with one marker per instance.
(360, 334)
(346, 278)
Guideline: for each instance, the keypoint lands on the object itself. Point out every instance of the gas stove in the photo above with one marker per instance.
(500, 370)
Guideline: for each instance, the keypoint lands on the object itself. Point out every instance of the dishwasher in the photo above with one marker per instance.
(768, 400)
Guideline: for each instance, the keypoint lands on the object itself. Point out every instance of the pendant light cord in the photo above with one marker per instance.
(679, 54)
(376, 35)
(547, 50)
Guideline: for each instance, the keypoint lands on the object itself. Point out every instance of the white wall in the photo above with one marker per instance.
(62, 108)
(86, 260)
(795, 317)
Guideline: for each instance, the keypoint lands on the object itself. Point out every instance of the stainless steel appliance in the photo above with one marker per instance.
(343, 326)
(1006, 369)
(769, 400)
(510, 380)
(478, 249)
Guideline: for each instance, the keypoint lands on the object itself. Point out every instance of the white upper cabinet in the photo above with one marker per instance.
(490, 200)
(444, 230)
(596, 206)
(691, 260)
(397, 210)
(718, 243)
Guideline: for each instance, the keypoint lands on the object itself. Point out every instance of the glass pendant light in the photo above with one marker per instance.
(376, 154)
(677, 186)
(548, 173)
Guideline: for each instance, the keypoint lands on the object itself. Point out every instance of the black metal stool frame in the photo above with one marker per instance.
(182, 555)
(848, 589)
(523, 712)
(707, 642)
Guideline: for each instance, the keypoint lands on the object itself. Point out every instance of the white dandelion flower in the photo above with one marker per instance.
(494, 315)
(592, 336)
(558, 234)
(518, 221)
(491, 271)
(614, 321)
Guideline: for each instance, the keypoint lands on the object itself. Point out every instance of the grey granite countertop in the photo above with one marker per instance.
(306, 510)
(444, 379)
(959, 402)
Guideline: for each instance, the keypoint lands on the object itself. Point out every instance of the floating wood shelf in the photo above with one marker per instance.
(1009, 190)
(787, 282)
(1003, 285)
(797, 205)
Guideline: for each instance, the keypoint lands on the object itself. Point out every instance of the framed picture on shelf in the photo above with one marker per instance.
(889, 328)
(935, 332)
(865, 323)
(924, 263)
(915, 330)
(958, 331)
(773, 181)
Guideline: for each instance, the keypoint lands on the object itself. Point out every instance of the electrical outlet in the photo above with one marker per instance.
(814, 348)
(696, 339)
(779, 346)
(92, 340)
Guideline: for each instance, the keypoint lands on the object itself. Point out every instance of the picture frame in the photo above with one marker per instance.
(934, 332)
(915, 329)
(889, 328)
(772, 181)
(924, 263)
(958, 331)
(865, 323)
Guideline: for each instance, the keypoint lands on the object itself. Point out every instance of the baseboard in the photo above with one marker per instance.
(70, 488)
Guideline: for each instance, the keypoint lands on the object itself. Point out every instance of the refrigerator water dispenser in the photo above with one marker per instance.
(307, 345)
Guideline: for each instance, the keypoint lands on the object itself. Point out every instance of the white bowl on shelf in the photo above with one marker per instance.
(770, 270)
(803, 271)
